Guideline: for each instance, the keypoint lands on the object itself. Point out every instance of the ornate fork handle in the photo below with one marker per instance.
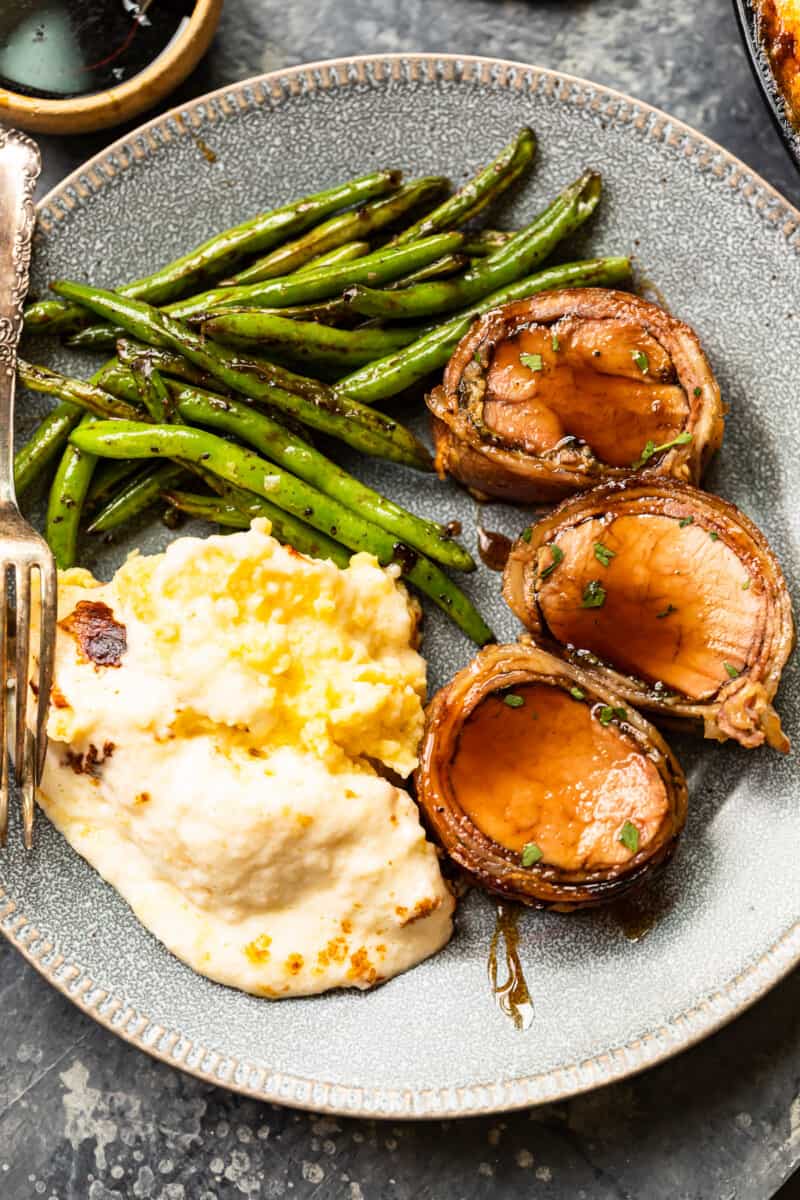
(20, 166)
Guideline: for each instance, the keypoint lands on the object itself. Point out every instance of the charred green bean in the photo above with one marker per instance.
(309, 341)
(87, 395)
(312, 403)
(293, 453)
(66, 499)
(220, 253)
(136, 497)
(46, 442)
(487, 185)
(243, 468)
(345, 227)
(517, 258)
(390, 262)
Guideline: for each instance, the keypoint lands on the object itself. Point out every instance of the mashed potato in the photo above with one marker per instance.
(223, 719)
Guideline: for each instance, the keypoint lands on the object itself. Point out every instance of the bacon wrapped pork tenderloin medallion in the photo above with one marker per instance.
(552, 395)
(667, 595)
(543, 785)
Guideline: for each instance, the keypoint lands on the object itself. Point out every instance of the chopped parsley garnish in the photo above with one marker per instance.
(714, 535)
(698, 391)
(603, 554)
(745, 585)
(607, 714)
(641, 360)
(666, 611)
(594, 595)
(684, 521)
(530, 854)
(478, 357)
(629, 836)
(576, 693)
(534, 362)
(526, 534)
(732, 671)
(650, 448)
(558, 555)
(556, 343)
(513, 700)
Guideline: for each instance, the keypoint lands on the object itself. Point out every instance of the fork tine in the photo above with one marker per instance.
(4, 700)
(21, 676)
(47, 637)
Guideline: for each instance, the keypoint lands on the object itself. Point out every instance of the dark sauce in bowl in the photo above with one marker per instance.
(60, 49)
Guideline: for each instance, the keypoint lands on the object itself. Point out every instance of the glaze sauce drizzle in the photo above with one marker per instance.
(494, 548)
(511, 993)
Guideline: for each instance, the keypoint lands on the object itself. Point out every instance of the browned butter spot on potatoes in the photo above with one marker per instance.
(101, 639)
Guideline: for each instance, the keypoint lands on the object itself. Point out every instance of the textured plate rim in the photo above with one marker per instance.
(684, 1029)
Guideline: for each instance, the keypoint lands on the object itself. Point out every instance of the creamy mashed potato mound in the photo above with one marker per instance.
(228, 775)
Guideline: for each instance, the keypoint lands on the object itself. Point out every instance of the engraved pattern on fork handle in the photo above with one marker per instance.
(18, 215)
(15, 269)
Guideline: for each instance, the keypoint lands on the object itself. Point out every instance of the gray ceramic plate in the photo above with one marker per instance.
(723, 248)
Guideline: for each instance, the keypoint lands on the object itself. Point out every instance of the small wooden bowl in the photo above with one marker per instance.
(82, 114)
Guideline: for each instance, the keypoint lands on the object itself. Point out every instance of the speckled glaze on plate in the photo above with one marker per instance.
(722, 247)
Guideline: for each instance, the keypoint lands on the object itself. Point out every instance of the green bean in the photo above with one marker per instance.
(485, 241)
(107, 477)
(48, 440)
(325, 312)
(390, 262)
(67, 495)
(356, 224)
(47, 317)
(89, 397)
(207, 508)
(340, 254)
(94, 339)
(134, 499)
(152, 390)
(312, 403)
(393, 374)
(285, 528)
(258, 330)
(167, 362)
(293, 453)
(223, 251)
(300, 288)
(73, 476)
(448, 264)
(103, 336)
(517, 258)
(487, 185)
(123, 439)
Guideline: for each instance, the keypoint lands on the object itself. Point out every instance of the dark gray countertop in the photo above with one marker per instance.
(85, 1117)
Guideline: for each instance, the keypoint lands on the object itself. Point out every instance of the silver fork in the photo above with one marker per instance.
(22, 550)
